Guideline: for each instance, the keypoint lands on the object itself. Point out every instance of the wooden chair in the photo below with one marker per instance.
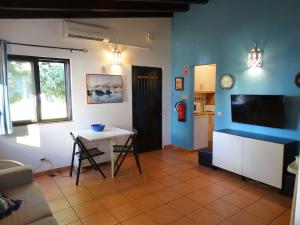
(124, 150)
(82, 154)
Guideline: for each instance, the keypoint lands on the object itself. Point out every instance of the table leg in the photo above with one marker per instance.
(112, 142)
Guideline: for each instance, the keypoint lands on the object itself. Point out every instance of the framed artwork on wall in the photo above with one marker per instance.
(104, 88)
(297, 80)
(179, 83)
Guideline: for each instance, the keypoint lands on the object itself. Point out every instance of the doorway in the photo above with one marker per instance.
(147, 107)
(204, 105)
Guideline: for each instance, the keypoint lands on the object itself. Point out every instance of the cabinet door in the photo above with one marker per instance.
(263, 161)
(208, 78)
(197, 79)
(200, 132)
(205, 78)
(227, 152)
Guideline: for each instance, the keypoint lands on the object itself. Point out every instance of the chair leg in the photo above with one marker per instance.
(137, 161)
(78, 171)
(96, 167)
(118, 158)
(72, 161)
(119, 166)
(103, 175)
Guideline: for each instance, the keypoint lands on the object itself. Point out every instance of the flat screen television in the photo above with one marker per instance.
(262, 110)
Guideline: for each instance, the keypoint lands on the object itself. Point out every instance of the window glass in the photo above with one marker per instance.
(21, 89)
(53, 90)
(39, 89)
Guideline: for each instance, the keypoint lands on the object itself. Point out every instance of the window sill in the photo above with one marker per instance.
(41, 123)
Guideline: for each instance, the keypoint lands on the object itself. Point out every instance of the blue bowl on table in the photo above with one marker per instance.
(98, 127)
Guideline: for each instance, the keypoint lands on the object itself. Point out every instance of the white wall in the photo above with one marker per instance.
(29, 144)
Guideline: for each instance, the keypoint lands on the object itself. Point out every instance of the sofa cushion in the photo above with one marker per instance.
(8, 205)
(45, 221)
(34, 206)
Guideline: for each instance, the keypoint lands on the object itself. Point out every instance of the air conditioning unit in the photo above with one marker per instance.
(76, 29)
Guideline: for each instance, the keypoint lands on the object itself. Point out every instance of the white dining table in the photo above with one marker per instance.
(109, 133)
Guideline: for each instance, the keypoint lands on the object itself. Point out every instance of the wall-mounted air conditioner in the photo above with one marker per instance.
(76, 29)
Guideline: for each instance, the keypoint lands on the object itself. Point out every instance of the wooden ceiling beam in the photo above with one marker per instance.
(94, 5)
(27, 14)
(168, 1)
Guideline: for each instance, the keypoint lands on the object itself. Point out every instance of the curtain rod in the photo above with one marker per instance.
(47, 46)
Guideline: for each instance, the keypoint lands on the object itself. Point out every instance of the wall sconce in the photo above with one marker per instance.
(116, 56)
(255, 57)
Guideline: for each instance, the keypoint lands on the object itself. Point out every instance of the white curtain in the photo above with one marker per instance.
(5, 119)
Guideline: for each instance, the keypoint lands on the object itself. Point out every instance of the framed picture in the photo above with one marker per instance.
(179, 83)
(297, 80)
(104, 88)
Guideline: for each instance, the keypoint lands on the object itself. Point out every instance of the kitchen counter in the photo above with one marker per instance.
(207, 113)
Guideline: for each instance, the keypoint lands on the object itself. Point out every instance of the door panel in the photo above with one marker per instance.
(147, 107)
(227, 152)
(263, 161)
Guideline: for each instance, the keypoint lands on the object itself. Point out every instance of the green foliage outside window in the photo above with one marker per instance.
(52, 80)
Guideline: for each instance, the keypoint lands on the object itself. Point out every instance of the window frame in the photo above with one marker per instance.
(37, 88)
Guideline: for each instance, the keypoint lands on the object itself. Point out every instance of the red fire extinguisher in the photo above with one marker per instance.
(180, 108)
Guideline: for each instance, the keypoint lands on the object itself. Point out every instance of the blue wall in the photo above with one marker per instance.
(222, 32)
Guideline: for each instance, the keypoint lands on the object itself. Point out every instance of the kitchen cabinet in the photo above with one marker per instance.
(259, 157)
(205, 78)
(200, 131)
(263, 161)
(227, 152)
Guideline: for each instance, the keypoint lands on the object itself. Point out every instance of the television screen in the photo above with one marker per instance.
(263, 110)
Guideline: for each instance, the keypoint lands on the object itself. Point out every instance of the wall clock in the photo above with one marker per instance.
(297, 80)
(226, 81)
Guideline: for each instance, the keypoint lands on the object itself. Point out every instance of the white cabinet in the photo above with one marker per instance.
(259, 157)
(227, 152)
(205, 78)
(263, 161)
(200, 132)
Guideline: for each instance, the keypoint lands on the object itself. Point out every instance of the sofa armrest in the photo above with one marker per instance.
(15, 176)
(5, 163)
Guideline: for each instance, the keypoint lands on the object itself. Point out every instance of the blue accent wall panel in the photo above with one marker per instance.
(222, 32)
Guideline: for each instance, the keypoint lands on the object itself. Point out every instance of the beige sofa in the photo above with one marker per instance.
(16, 182)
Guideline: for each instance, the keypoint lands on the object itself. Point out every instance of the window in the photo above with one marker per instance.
(39, 89)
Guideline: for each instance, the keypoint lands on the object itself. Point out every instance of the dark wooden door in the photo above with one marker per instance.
(147, 107)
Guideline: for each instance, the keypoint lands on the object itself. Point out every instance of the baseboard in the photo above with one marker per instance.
(67, 168)
(168, 146)
(175, 147)
(47, 172)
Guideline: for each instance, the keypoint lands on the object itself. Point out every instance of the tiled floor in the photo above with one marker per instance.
(173, 189)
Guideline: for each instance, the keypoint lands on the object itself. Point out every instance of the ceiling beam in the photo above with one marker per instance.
(168, 1)
(27, 14)
(94, 5)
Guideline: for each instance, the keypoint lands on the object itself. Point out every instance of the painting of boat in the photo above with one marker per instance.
(103, 88)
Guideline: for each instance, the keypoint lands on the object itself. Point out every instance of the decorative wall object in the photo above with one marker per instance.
(255, 57)
(179, 83)
(297, 80)
(103, 88)
(116, 56)
(226, 81)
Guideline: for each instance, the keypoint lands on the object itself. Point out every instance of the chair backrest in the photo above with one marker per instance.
(77, 141)
(132, 140)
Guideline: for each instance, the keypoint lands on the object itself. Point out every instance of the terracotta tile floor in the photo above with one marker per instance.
(173, 189)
